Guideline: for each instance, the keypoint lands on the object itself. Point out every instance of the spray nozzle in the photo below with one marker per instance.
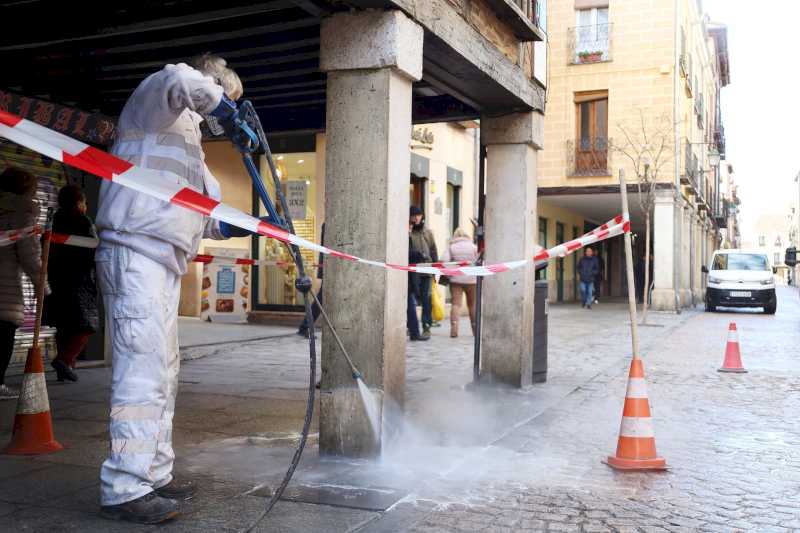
(356, 374)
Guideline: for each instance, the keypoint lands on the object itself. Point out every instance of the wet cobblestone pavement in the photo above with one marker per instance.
(468, 460)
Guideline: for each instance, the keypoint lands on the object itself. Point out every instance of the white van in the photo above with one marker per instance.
(740, 278)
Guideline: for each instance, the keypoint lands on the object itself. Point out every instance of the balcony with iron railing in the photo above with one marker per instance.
(719, 139)
(690, 167)
(588, 157)
(589, 44)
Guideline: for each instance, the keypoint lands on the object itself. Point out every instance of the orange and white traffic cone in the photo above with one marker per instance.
(733, 358)
(636, 447)
(33, 428)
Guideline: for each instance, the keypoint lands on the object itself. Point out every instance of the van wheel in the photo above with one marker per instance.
(770, 310)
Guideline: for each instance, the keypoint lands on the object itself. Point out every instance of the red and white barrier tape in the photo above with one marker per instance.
(12, 236)
(166, 186)
(9, 237)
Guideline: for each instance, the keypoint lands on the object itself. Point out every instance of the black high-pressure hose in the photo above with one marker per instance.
(302, 284)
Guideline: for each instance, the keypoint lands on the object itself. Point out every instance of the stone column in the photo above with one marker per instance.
(372, 58)
(686, 215)
(664, 252)
(512, 142)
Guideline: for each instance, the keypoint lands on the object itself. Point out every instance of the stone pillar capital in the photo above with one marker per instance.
(515, 128)
(372, 39)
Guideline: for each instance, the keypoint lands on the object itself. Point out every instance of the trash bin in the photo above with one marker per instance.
(540, 310)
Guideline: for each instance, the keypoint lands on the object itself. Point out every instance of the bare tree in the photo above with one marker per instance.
(647, 144)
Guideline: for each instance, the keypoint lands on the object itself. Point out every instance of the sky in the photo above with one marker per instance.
(759, 106)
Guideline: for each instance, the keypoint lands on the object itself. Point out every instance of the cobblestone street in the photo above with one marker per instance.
(464, 459)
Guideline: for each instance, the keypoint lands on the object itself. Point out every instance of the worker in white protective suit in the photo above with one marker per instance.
(145, 247)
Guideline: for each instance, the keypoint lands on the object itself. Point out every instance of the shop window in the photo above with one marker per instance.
(274, 283)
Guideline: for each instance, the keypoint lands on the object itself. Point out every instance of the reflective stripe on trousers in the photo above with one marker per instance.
(141, 298)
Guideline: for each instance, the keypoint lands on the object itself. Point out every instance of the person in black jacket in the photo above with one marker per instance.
(588, 269)
(72, 306)
(412, 323)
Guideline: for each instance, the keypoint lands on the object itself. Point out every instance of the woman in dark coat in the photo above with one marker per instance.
(72, 306)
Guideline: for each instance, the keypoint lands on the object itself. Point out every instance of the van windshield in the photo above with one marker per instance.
(740, 262)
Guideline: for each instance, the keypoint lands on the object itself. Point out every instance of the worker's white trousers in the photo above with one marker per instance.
(141, 300)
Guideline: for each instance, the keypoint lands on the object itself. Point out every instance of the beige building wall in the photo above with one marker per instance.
(553, 215)
(662, 64)
(454, 146)
(637, 76)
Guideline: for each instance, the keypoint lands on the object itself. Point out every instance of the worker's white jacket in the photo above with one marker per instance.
(159, 128)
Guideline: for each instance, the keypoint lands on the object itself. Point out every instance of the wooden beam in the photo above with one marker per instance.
(281, 74)
(304, 103)
(162, 24)
(311, 8)
(213, 37)
(288, 94)
(245, 64)
(279, 47)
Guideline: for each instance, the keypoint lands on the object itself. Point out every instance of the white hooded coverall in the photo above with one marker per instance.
(145, 247)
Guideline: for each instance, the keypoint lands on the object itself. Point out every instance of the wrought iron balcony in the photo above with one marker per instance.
(691, 171)
(719, 138)
(589, 44)
(588, 157)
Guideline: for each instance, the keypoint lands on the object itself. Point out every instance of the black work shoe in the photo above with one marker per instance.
(149, 509)
(63, 371)
(177, 490)
(421, 338)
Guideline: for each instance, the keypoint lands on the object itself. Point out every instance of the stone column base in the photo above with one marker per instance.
(663, 300)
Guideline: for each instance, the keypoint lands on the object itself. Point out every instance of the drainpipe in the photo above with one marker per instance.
(676, 117)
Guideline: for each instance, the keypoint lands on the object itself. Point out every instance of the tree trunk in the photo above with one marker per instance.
(646, 267)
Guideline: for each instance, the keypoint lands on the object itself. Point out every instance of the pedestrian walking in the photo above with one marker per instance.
(71, 307)
(18, 210)
(461, 248)
(638, 278)
(588, 267)
(424, 246)
(412, 322)
(305, 328)
(601, 275)
(145, 247)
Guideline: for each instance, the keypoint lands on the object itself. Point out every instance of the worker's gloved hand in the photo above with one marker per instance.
(229, 230)
(222, 118)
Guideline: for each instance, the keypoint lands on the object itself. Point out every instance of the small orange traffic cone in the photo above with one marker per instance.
(636, 447)
(733, 358)
(33, 428)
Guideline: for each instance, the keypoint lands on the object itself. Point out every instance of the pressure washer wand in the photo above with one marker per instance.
(356, 374)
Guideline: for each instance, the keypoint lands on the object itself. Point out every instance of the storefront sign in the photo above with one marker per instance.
(88, 127)
(422, 135)
(225, 294)
(296, 193)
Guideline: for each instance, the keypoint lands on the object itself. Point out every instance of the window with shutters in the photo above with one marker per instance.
(591, 143)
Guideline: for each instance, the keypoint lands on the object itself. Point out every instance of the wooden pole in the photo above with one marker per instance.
(623, 189)
(37, 326)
